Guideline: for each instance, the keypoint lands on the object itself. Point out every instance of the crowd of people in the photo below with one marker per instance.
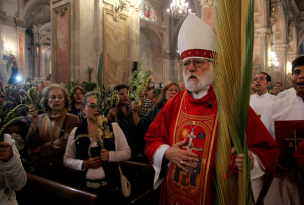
(275, 90)
(47, 132)
(283, 106)
(175, 131)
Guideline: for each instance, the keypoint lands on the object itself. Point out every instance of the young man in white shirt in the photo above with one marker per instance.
(287, 182)
(262, 99)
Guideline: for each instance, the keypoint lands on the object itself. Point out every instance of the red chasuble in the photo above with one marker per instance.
(172, 126)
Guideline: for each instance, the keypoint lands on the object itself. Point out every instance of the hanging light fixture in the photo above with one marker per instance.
(274, 60)
(179, 9)
(289, 68)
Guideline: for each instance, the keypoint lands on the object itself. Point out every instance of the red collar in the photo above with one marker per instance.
(210, 96)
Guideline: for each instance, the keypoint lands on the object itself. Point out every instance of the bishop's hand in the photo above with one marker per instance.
(181, 158)
(239, 161)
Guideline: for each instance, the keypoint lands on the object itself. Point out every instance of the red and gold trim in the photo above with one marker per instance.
(198, 53)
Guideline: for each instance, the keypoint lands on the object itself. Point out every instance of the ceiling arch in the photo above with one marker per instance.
(154, 37)
(38, 13)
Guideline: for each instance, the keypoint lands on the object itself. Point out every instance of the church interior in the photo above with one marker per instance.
(59, 39)
(62, 41)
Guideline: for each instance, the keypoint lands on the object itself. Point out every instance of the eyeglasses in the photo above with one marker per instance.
(92, 106)
(76, 93)
(196, 63)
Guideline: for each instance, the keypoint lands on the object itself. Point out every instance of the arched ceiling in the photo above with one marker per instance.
(39, 14)
(155, 40)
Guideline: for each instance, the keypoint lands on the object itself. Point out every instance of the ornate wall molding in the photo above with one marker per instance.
(116, 47)
(122, 6)
(19, 22)
(36, 34)
(261, 32)
(274, 11)
(280, 47)
(207, 3)
(290, 31)
(257, 19)
(21, 29)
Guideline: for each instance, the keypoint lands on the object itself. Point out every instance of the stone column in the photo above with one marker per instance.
(208, 11)
(61, 42)
(280, 71)
(288, 74)
(41, 63)
(36, 57)
(262, 35)
(134, 37)
(36, 62)
(21, 52)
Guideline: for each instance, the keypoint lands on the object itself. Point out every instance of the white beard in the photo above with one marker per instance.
(203, 81)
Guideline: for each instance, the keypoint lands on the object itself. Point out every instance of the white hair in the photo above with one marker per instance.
(203, 81)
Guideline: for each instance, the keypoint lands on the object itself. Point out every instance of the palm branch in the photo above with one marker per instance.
(232, 76)
(138, 80)
(8, 116)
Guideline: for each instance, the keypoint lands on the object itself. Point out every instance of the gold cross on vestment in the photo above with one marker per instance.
(295, 139)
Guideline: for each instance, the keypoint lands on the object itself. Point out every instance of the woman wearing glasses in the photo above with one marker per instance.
(48, 133)
(76, 99)
(97, 170)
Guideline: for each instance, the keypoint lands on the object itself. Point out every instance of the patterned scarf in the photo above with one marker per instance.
(53, 133)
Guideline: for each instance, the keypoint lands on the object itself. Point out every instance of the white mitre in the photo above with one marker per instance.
(195, 39)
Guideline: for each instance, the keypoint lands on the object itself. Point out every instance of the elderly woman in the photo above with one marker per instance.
(76, 98)
(48, 133)
(98, 171)
(143, 123)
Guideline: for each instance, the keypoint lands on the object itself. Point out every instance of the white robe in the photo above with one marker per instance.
(287, 93)
(12, 176)
(286, 188)
(291, 108)
(261, 103)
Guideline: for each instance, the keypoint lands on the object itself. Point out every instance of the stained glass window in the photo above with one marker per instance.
(147, 12)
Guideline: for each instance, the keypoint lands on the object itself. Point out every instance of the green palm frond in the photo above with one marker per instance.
(232, 76)
(139, 80)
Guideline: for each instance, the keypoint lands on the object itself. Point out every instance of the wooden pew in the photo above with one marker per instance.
(141, 177)
(39, 190)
